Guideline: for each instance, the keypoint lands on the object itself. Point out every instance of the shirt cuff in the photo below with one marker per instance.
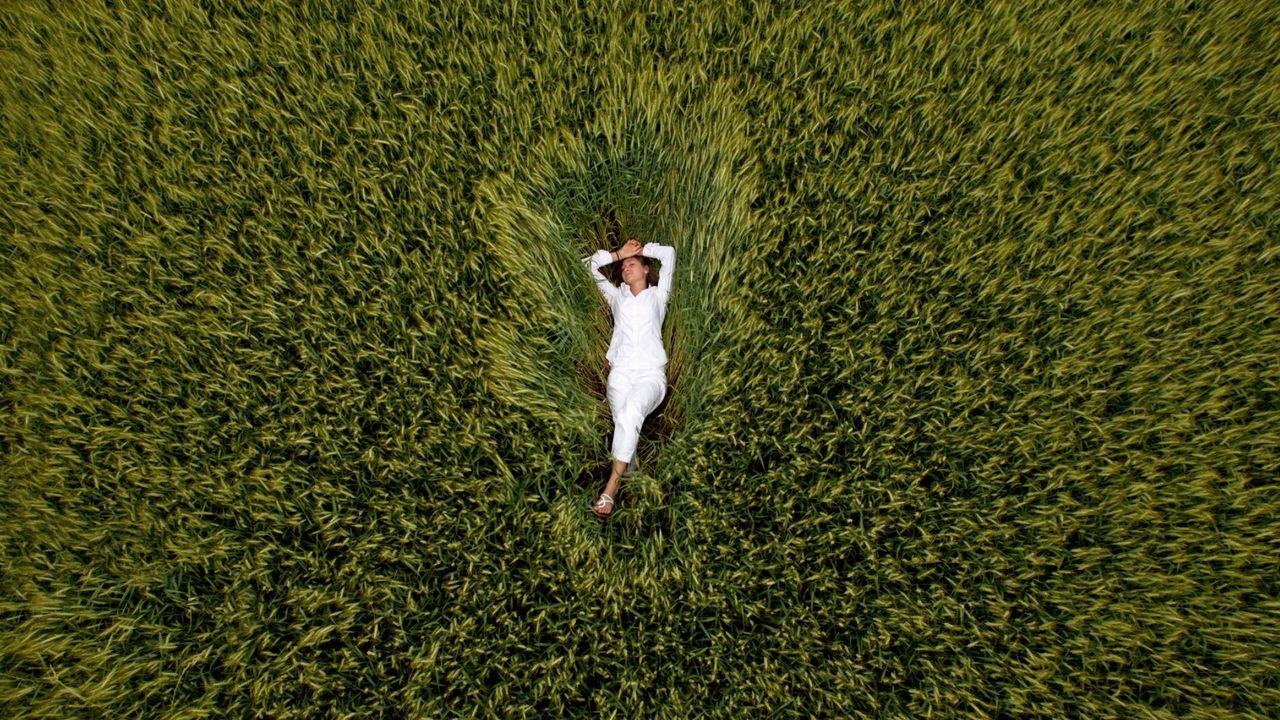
(654, 250)
(603, 257)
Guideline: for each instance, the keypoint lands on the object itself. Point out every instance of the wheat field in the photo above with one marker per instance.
(973, 405)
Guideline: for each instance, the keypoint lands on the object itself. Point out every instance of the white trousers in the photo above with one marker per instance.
(633, 394)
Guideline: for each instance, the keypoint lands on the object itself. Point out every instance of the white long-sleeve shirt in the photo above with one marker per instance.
(637, 319)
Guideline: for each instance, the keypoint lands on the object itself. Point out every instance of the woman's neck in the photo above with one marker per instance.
(637, 287)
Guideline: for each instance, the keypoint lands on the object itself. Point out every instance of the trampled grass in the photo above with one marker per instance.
(973, 360)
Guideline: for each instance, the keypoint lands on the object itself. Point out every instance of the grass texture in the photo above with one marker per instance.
(973, 405)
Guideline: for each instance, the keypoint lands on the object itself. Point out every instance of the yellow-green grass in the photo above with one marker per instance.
(973, 405)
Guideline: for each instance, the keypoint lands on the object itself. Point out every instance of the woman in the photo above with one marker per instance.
(638, 362)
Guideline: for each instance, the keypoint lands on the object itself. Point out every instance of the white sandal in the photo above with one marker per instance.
(602, 503)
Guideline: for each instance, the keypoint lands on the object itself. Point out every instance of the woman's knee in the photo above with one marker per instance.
(631, 418)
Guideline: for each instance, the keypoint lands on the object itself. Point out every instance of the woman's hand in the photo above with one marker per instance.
(629, 248)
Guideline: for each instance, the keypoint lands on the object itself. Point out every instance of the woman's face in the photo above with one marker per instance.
(632, 270)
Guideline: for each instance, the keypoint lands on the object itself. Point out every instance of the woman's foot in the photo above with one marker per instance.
(604, 506)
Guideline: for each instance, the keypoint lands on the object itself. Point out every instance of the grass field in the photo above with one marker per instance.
(974, 381)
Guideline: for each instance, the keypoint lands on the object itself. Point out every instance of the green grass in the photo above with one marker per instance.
(973, 360)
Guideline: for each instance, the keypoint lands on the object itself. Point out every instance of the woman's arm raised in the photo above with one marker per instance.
(666, 255)
(596, 261)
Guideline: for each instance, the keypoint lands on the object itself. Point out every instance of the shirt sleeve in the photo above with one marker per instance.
(596, 261)
(667, 256)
